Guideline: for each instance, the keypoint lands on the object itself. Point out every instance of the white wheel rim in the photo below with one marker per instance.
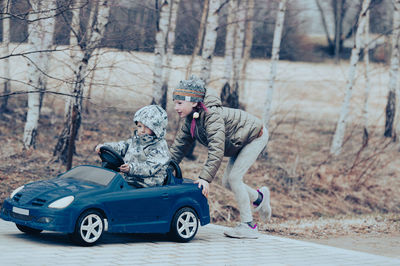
(187, 224)
(91, 228)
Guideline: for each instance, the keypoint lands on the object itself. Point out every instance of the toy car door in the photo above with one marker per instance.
(139, 210)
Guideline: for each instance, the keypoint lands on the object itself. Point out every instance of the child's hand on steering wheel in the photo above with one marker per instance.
(97, 149)
(124, 168)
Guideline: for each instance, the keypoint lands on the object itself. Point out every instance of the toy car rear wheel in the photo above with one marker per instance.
(89, 228)
(184, 225)
(28, 230)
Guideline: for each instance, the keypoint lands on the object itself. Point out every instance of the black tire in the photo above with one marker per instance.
(185, 224)
(89, 228)
(28, 230)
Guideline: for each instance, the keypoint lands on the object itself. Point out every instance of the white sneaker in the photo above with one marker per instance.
(243, 230)
(265, 207)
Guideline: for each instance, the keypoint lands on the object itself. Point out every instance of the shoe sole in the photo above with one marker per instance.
(241, 237)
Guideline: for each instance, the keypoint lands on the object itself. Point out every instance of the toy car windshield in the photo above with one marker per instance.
(91, 174)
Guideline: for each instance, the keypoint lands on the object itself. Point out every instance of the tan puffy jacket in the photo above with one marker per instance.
(224, 131)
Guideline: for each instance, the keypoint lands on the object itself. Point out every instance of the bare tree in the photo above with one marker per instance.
(337, 141)
(85, 47)
(209, 39)
(159, 91)
(236, 33)
(344, 22)
(274, 60)
(324, 24)
(226, 94)
(41, 31)
(5, 52)
(339, 15)
(248, 41)
(74, 41)
(397, 113)
(393, 74)
(229, 42)
(367, 81)
(238, 52)
(170, 49)
(199, 41)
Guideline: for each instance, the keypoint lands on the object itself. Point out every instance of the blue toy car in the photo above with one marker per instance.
(88, 200)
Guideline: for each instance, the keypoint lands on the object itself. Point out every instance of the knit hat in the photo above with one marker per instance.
(191, 90)
(154, 117)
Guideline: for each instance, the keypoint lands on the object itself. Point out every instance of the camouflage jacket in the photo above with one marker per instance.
(147, 156)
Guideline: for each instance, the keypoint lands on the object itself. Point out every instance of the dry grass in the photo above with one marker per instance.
(341, 225)
(306, 183)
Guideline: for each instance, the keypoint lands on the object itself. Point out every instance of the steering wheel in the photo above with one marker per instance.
(176, 168)
(110, 158)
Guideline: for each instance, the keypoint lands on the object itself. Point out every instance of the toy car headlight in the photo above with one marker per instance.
(16, 191)
(62, 203)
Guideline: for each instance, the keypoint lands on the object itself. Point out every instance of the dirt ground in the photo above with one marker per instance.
(373, 233)
(348, 202)
(384, 245)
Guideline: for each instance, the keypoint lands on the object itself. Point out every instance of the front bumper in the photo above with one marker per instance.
(42, 218)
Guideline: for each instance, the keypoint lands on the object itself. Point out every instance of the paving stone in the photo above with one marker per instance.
(209, 247)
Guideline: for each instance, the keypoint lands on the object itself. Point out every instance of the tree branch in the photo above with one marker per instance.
(47, 91)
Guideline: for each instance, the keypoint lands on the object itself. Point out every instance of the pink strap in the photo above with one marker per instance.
(193, 124)
(192, 127)
(201, 104)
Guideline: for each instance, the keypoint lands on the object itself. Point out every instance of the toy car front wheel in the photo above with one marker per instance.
(184, 225)
(89, 228)
(28, 230)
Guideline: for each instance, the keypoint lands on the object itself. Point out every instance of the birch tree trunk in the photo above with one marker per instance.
(238, 53)
(159, 95)
(229, 42)
(5, 52)
(65, 147)
(337, 141)
(199, 41)
(226, 93)
(393, 73)
(170, 50)
(274, 60)
(92, 14)
(397, 113)
(75, 51)
(209, 40)
(367, 81)
(248, 44)
(92, 78)
(41, 31)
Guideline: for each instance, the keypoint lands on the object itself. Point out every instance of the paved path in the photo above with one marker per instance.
(209, 247)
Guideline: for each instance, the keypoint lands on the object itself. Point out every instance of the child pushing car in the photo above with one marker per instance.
(145, 154)
(225, 132)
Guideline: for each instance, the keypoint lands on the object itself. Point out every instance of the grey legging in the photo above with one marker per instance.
(237, 168)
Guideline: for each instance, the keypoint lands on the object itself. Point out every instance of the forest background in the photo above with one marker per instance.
(74, 73)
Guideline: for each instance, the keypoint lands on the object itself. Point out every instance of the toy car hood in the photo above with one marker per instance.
(79, 180)
(43, 192)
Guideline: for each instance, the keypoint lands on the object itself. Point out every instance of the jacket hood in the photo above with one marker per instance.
(212, 98)
(154, 117)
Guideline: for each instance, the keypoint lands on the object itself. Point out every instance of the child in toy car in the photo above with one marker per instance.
(145, 154)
